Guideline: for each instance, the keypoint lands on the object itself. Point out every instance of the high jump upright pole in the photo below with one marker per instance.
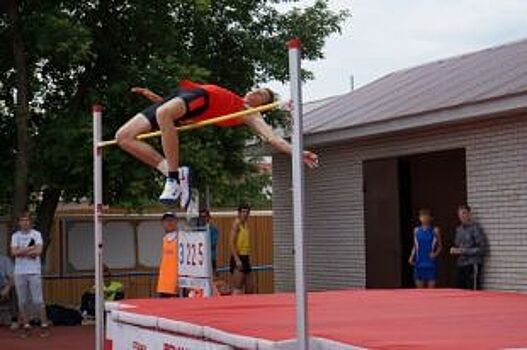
(97, 220)
(298, 194)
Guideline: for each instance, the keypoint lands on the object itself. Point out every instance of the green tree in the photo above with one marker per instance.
(69, 54)
(21, 98)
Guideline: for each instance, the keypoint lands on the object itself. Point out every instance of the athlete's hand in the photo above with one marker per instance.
(147, 93)
(311, 159)
(139, 90)
(239, 264)
(411, 262)
(4, 293)
(23, 251)
(456, 251)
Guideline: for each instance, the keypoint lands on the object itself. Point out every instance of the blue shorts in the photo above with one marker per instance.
(425, 274)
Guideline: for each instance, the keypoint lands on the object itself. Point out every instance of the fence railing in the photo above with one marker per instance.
(132, 250)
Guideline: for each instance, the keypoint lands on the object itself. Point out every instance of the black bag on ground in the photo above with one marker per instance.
(63, 316)
(88, 303)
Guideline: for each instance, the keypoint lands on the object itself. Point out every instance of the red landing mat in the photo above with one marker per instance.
(377, 319)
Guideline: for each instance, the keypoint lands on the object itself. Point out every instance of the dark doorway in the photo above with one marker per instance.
(382, 221)
(395, 189)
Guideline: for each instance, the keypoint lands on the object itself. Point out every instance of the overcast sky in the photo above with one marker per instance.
(387, 35)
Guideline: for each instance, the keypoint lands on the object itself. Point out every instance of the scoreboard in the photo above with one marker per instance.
(195, 265)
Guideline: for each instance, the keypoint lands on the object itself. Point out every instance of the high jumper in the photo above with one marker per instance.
(179, 112)
(192, 103)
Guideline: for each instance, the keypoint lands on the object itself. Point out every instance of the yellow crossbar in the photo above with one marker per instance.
(203, 123)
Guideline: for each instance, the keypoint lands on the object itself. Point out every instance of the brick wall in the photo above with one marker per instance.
(496, 156)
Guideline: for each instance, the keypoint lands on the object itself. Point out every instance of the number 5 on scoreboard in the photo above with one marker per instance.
(200, 253)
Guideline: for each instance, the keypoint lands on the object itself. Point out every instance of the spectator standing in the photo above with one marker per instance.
(469, 248)
(426, 249)
(168, 281)
(26, 248)
(206, 219)
(7, 286)
(240, 246)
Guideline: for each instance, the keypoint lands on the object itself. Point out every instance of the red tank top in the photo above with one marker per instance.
(221, 102)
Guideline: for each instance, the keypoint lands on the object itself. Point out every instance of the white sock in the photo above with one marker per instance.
(162, 166)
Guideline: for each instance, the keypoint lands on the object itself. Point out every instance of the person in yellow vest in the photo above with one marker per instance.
(113, 290)
(240, 246)
(167, 283)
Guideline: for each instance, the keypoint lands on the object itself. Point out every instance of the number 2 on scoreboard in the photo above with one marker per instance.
(190, 255)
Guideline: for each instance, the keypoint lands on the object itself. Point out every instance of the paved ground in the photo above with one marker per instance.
(61, 338)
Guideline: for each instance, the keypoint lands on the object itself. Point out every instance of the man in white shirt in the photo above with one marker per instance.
(26, 248)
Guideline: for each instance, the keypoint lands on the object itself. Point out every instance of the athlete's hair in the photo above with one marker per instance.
(464, 207)
(24, 215)
(204, 211)
(244, 206)
(272, 95)
(425, 211)
(169, 215)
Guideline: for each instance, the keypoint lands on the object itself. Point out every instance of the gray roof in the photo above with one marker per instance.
(308, 107)
(428, 93)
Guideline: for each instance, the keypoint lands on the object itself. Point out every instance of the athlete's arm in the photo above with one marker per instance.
(232, 241)
(35, 251)
(19, 251)
(411, 259)
(439, 243)
(266, 133)
(16, 250)
(148, 94)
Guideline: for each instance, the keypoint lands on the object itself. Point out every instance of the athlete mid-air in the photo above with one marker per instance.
(190, 103)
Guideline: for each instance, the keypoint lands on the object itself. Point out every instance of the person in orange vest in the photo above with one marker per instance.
(167, 283)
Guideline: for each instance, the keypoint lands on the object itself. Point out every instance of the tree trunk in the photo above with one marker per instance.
(46, 214)
(22, 112)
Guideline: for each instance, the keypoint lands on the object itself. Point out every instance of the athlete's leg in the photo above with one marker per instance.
(23, 298)
(249, 285)
(431, 284)
(166, 114)
(237, 277)
(126, 139)
(238, 281)
(35, 289)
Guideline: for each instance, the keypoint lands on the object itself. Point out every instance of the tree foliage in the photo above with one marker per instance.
(81, 52)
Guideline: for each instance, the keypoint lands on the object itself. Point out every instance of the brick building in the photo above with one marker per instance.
(435, 136)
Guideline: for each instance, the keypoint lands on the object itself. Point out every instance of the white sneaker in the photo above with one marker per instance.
(171, 192)
(184, 183)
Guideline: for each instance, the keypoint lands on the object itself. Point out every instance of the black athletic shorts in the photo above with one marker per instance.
(196, 101)
(246, 264)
